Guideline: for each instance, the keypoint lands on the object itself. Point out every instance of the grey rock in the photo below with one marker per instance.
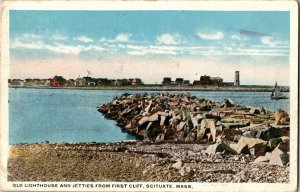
(181, 125)
(162, 120)
(279, 157)
(228, 103)
(281, 117)
(143, 120)
(249, 134)
(261, 159)
(254, 111)
(274, 142)
(153, 117)
(177, 165)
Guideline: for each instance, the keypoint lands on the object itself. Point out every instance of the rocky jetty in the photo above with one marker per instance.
(228, 128)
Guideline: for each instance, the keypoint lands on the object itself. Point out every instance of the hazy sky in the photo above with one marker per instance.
(151, 44)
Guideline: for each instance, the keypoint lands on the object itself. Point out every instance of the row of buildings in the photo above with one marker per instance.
(205, 81)
(59, 81)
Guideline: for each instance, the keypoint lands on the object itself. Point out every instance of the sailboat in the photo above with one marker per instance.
(276, 94)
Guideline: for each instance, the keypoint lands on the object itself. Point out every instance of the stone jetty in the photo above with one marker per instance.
(225, 126)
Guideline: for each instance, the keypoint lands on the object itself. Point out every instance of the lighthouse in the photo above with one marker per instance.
(237, 79)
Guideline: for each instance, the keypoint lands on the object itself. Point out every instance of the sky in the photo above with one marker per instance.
(151, 45)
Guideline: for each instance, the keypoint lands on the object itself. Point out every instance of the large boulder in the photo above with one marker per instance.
(256, 147)
(177, 165)
(274, 142)
(196, 119)
(143, 120)
(147, 109)
(190, 137)
(272, 132)
(208, 123)
(281, 117)
(181, 126)
(285, 144)
(204, 108)
(153, 117)
(160, 137)
(228, 103)
(200, 132)
(215, 148)
(263, 110)
(278, 157)
(162, 120)
(254, 111)
(237, 124)
(219, 147)
(262, 159)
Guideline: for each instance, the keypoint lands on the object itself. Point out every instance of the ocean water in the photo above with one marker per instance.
(62, 115)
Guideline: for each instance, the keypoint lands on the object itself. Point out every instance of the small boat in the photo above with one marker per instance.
(276, 94)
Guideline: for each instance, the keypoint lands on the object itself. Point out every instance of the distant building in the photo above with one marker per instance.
(196, 83)
(237, 78)
(208, 81)
(211, 81)
(57, 81)
(103, 81)
(28, 82)
(44, 82)
(85, 81)
(18, 82)
(123, 82)
(179, 81)
(186, 82)
(167, 81)
(70, 82)
(137, 81)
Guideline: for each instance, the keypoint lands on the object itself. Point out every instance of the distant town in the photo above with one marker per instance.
(60, 81)
(178, 83)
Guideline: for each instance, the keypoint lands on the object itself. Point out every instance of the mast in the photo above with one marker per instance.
(277, 91)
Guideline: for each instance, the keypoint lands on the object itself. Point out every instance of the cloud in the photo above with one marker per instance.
(83, 39)
(135, 47)
(18, 44)
(269, 41)
(122, 37)
(165, 44)
(56, 47)
(211, 36)
(262, 51)
(59, 37)
(168, 39)
(160, 49)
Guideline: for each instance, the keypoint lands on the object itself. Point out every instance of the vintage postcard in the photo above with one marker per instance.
(149, 95)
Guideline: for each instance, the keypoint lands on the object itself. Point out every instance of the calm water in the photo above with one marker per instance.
(60, 115)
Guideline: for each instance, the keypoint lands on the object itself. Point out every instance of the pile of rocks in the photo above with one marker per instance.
(231, 128)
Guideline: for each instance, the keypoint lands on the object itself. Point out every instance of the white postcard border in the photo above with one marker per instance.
(155, 5)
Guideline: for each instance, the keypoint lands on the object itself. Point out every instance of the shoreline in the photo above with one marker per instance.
(136, 162)
(120, 88)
